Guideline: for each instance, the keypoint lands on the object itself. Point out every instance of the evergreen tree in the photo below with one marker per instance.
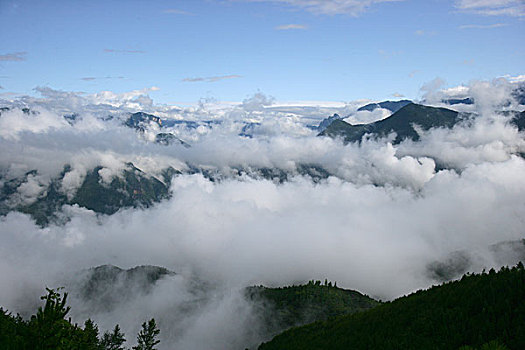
(89, 339)
(146, 338)
(113, 340)
(48, 328)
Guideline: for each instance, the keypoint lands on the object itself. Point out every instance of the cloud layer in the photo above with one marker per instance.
(384, 213)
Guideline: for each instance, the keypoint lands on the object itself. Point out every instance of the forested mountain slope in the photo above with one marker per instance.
(472, 311)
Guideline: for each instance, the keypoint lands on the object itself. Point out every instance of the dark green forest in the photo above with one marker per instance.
(479, 311)
(484, 311)
(50, 329)
(295, 305)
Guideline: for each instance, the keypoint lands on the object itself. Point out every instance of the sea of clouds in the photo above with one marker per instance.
(374, 225)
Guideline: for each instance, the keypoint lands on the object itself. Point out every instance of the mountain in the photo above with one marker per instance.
(133, 188)
(519, 121)
(24, 110)
(139, 120)
(282, 308)
(105, 286)
(130, 188)
(401, 122)
(455, 264)
(519, 94)
(473, 311)
(327, 121)
(167, 139)
(456, 101)
(249, 129)
(392, 106)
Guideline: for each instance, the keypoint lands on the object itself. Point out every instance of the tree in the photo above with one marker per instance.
(114, 340)
(49, 329)
(146, 339)
(89, 340)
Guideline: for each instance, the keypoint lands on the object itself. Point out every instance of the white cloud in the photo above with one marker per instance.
(14, 57)
(291, 27)
(384, 212)
(421, 32)
(330, 7)
(365, 117)
(483, 26)
(212, 79)
(100, 78)
(123, 51)
(177, 12)
(516, 79)
(515, 8)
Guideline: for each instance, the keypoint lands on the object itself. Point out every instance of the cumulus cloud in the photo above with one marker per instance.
(514, 8)
(257, 101)
(103, 101)
(330, 7)
(14, 57)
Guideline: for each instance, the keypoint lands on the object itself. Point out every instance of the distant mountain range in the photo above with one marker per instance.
(133, 188)
(401, 122)
(404, 123)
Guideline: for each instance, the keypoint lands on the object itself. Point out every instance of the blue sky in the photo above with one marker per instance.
(331, 50)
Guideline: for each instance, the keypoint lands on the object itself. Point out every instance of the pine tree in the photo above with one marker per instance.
(114, 340)
(146, 338)
(49, 329)
(90, 336)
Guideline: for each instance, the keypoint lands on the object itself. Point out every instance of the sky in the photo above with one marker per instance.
(226, 50)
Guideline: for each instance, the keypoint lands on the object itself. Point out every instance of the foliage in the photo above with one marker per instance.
(294, 305)
(146, 339)
(481, 310)
(49, 329)
(113, 340)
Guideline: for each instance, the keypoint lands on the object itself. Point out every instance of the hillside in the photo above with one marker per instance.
(104, 286)
(133, 188)
(472, 311)
(401, 122)
(285, 307)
